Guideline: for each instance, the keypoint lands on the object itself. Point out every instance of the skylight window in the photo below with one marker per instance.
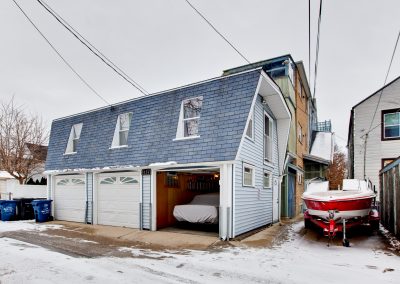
(73, 139)
(122, 130)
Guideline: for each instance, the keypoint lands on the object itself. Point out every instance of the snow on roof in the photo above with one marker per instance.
(5, 175)
(323, 146)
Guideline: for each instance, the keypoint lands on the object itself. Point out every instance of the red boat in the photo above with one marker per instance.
(337, 210)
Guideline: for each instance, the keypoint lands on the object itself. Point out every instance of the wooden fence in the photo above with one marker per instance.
(390, 197)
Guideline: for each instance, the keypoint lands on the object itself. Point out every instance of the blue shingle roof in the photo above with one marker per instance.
(226, 105)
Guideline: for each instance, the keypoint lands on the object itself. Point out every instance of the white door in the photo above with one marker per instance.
(275, 198)
(118, 198)
(70, 198)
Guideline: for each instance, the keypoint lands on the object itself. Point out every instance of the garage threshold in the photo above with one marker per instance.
(158, 239)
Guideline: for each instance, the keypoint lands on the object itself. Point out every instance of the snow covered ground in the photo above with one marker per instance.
(297, 260)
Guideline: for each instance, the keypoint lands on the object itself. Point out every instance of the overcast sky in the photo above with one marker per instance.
(163, 44)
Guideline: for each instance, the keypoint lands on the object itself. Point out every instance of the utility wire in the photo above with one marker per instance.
(92, 48)
(384, 83)
(59, 54)
(216, 30)
(227, 41)
(317, 48)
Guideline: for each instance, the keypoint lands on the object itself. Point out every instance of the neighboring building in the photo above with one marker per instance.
(39, 153)
(368, 156)
(130, 164)
(292, 80)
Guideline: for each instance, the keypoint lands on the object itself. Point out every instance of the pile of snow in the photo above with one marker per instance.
(29, 225)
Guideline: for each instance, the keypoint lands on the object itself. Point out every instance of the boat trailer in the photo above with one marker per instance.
(331, 227)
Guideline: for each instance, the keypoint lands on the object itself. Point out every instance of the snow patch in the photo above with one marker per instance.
(29, 225)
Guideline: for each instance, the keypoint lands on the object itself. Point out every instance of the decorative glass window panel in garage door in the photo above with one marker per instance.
(128, 180)
(109, 180)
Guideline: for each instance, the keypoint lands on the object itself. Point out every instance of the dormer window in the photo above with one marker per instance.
(121, 130)
(188, 126)
(73, 139)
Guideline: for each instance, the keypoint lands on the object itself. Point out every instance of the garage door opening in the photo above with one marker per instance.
(188, 201)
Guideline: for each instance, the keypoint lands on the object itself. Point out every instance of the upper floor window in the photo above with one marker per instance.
(391, 124)
(73, 139)
(189, 118)
(268, 137)
(250, 127)
(121, 130)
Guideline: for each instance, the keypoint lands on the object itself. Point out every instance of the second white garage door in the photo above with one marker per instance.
(118, 198)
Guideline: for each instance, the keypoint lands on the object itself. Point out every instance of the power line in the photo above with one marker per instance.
(59, 54)
(92, 48)
(366, 135)
(230, 44)
(317, 48)
(384, 83)
(216, 30)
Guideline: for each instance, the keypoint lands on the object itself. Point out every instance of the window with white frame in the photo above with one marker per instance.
(250, 127)
(248, 175)
(300, 133)
(74, 136)
(391, 124)
(122, 130)
(268, 137)
(267, 179)
(189, 118)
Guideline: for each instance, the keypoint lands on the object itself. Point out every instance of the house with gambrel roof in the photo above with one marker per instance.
(194, 155)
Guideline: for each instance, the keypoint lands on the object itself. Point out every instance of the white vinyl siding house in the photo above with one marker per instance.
(383, 144)
(253, 206)
(202, 142)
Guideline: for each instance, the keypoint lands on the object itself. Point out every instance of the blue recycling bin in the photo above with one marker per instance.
(8, 210)
(42, 210)
(1, 201)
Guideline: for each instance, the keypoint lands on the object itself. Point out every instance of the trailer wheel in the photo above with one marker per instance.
(307, 223)
(374, 225)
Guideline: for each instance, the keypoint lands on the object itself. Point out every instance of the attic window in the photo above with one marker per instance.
(121, 130)
(189, 117)
(73, 139)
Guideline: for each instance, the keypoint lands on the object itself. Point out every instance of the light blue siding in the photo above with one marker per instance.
(146, 202)
(89, 198)
(253, 205)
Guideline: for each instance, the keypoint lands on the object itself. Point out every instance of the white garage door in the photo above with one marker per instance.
(118, 197)
(70, 198)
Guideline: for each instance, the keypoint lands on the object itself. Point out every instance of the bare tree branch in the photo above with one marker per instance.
(21, 138)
